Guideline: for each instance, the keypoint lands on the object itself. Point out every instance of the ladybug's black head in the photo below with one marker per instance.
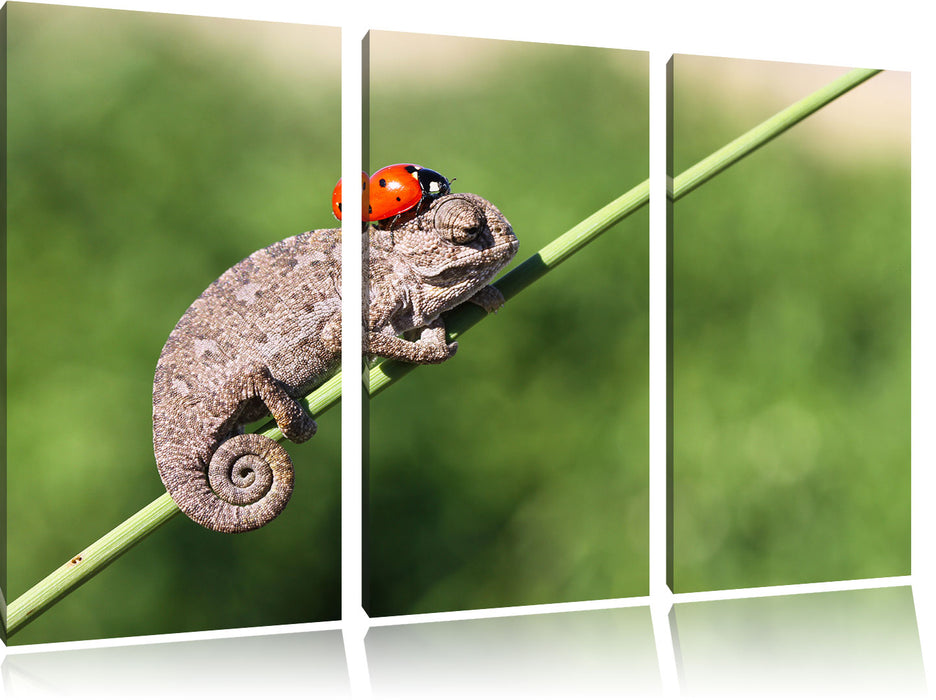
(432, 183)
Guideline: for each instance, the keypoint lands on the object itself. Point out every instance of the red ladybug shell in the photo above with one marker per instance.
(336, 199)
(398, 188)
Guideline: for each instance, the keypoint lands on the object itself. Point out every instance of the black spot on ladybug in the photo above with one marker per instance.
(411, 169)
(398, 199)
(382, 183)
(339, 206)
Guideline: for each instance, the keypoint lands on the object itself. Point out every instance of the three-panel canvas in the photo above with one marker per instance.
(173, 314)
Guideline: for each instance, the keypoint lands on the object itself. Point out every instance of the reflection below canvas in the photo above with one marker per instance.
(846, 642)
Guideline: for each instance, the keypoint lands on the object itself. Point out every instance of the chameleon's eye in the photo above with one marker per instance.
(470, 233)
(459, 219)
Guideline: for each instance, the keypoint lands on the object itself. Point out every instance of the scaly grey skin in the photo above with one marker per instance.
(268, 331)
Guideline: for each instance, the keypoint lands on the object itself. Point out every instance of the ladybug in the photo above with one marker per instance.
(336, 199)
(398, 188)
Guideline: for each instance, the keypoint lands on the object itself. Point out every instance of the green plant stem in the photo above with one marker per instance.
(88, 562)
(93, 559)
(460, 319)
(97, 556)
(747, 143)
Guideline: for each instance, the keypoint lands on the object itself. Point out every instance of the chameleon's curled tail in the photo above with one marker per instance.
(250, 478)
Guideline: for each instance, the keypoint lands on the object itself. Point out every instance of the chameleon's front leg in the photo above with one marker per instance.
(488, 298)
(431, 347)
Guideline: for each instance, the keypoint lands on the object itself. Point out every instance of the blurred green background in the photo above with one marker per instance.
(791, 332)
(516, 473)
(147, 154)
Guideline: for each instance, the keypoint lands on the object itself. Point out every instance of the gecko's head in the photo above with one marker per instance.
(460, 242)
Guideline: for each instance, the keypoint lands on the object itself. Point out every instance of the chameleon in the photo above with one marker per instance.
(268, 331)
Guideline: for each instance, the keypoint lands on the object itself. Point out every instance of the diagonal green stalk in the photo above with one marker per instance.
(745, 144)
(111, 546)
(93, 559)
(460, 319)
(88, 562)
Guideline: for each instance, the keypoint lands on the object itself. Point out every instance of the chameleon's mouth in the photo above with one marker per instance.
(492, 259)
